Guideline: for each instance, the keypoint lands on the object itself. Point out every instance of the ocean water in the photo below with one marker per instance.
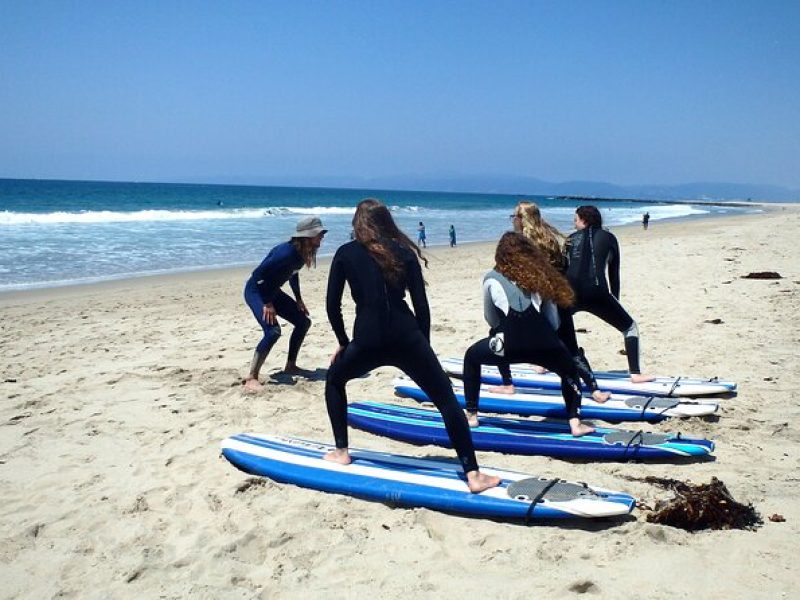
(56, 233)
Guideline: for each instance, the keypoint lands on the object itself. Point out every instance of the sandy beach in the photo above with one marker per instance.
(116, 397)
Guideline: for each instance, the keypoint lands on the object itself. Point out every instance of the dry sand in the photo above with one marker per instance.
(116, 396)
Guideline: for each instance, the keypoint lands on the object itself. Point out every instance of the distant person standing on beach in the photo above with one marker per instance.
(452, 236)
(379, 266)
(590, 252)
(645, 220)
(421, 235)
(263, 295)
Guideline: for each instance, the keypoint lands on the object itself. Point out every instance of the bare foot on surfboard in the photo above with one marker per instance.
(472, 419)
(578, 429)
(600, 397)
(478, 482)
(339, 455)
(501, 389)
(639, 378)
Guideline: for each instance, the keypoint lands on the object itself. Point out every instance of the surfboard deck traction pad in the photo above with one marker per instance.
(555, 490)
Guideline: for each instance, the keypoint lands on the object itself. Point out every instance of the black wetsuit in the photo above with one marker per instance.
(529, 337)
(386, 332)
(590, 253)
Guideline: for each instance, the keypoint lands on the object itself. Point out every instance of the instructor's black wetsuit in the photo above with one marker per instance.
(590, 253)
(386, 332)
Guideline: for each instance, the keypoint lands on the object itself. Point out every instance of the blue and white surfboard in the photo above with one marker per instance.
(529, 402)
(419, 482)
(524, 436)
(608, 381)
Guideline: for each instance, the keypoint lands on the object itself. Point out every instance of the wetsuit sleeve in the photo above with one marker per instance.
(333, 300)
(259, 274)
(493, 298)
(294, 283)
(419, 299)
(613, 267)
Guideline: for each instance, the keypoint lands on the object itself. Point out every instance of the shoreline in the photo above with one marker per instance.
(203, 273)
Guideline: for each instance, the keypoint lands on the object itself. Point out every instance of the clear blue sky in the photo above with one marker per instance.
(627, 92)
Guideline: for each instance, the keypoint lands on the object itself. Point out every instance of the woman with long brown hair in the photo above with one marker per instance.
(379, 265)
(267, 301)
(514, 293)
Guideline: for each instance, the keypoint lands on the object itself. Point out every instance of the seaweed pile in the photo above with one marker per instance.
(702, 506)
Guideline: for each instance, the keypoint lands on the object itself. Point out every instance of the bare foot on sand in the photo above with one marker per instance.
(600, 397)
(501, 389)
(252, 386)
(339, 455)
(472, 418)
(477, 482)
(292, 369)
(639, 378)
(578, 429)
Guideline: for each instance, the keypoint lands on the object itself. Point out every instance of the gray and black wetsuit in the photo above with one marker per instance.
(591, 252)
(528, 337)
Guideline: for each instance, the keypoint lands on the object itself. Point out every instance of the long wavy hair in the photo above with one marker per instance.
(305, 248)
(523, 263)
(543, 235)
(590, 215)
(375, 228)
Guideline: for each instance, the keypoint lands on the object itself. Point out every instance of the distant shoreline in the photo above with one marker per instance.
(241, 272)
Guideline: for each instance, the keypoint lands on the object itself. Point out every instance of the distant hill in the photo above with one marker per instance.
(498, 184)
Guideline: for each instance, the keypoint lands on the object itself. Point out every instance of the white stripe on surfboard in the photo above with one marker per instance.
(682, 408)
(596, 507)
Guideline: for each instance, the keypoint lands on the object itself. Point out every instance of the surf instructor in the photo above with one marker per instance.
(379, 266)
(267, 301)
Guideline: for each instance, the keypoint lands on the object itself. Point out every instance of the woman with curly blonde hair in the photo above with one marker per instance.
(543, 235)
(521, 286)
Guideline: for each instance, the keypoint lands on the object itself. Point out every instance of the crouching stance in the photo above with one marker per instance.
(379, 266)
(522, 288)
(267, 301)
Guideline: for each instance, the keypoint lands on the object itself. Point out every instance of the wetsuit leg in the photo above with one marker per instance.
(505, 372)
(611, 311)
(271, 332)
(418, 360)
(566, 333)
(558, 360)
(566, 330)
(477, 355)
(351, 363)
(287, 309)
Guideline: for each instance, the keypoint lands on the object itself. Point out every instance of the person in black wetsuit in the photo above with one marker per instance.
(263, 295)
(379, 266)
(527, 220)
(514, 293)
(591, 252)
